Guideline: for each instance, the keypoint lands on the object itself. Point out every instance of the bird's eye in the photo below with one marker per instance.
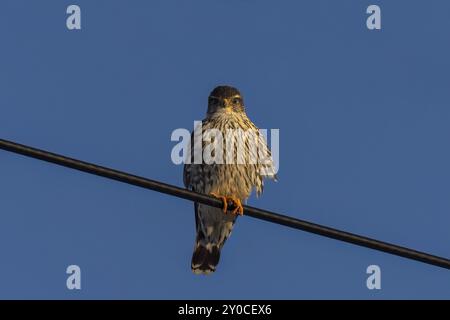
(236, 101)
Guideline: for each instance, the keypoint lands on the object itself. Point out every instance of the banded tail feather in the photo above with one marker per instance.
(205, 259)
(213, 229)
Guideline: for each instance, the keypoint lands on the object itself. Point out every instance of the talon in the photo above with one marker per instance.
(239, 209)
(224, 200)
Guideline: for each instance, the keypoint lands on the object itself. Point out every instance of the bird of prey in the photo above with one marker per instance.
(231, 181)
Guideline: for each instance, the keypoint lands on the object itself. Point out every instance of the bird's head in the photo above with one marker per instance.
(225, 99)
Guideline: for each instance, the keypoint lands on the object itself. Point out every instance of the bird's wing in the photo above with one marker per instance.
(264, 166)
(188, 165)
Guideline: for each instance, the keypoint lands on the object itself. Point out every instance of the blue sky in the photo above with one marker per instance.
(364, 131)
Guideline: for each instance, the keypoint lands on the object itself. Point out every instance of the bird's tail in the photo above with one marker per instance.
(205, 258)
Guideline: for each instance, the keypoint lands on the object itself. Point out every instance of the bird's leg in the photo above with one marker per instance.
(238, 208)
(224, 200)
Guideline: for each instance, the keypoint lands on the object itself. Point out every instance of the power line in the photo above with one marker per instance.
(212, 201)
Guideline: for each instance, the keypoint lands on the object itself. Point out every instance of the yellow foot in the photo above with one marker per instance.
(238, 208)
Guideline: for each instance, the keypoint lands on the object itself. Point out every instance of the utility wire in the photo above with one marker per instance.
(212, 201)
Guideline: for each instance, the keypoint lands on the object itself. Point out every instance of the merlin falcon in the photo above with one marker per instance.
(248, 161)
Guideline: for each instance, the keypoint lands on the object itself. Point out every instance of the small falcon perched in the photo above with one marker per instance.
(231, 181)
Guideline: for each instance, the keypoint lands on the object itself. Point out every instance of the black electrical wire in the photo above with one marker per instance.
(212, 201)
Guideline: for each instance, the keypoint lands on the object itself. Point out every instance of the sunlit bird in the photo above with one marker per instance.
(231, 181)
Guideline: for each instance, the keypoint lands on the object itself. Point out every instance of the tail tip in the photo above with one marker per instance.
(205, 259)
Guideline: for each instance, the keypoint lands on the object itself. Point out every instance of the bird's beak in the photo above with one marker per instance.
(228, 108)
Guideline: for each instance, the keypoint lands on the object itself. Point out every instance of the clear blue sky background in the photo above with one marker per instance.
(364, 119)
